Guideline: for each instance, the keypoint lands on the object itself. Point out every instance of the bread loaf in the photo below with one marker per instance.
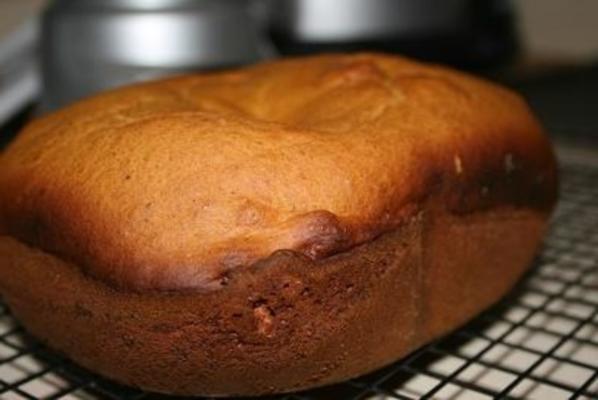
(274, 228)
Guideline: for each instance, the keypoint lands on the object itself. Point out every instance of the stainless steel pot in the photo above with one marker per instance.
(466, 33)
(349, 20)
(91, 45)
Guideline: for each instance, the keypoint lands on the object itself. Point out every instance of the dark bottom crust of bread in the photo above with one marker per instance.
(285, 324)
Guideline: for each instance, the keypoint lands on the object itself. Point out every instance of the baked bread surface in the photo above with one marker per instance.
(270, 229)
(172, 184)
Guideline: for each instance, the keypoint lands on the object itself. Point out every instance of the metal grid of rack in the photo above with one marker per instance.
(540, 342)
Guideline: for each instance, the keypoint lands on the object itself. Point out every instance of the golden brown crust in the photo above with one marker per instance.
(175, 184)
(285, 323)
(348, 209)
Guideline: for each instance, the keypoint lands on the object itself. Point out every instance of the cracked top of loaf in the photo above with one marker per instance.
(172, 184)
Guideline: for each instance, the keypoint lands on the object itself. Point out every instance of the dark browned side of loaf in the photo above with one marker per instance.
(287, 323)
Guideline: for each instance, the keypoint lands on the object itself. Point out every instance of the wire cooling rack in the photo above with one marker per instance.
(540, 342)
